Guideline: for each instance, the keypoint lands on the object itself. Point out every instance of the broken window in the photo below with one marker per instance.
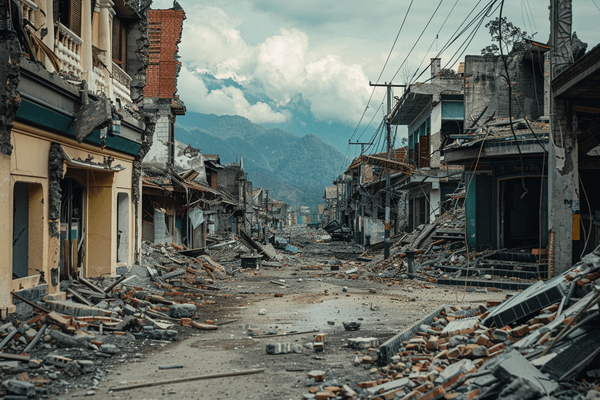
(28, 215)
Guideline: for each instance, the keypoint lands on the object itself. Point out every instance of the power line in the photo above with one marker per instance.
(395, 40)
(383, 69)
(418, 39)
(433, 41)
(478, 18)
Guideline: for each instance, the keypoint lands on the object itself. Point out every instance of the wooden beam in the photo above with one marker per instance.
(188, 379)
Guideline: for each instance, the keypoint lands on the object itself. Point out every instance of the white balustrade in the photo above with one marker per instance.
(28, 7)
(99, 80)
(69, 51)
(121, 84)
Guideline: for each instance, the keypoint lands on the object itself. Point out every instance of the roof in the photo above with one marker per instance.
(418, 96)
(398, 155)
(495, 139)
(173, 182)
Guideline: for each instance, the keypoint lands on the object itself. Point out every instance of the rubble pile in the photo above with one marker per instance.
(71, 343)
(540, 343)
(440, 256)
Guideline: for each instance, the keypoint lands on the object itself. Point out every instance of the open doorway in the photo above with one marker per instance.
(520, 215)
(71, 225)
(28, 218)
(123, 227)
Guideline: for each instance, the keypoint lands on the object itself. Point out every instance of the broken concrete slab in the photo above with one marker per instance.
(513, 366)
(385, 387)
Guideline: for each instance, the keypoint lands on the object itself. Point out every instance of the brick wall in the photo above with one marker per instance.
(165, 33)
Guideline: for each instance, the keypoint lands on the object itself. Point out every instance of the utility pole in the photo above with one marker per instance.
(266, 215)
(563, 169)
(389, 86)
(362, 145)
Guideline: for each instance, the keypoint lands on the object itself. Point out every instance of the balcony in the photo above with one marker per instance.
(69, 52)
(121, 83)
(99, 80)
(28, 7)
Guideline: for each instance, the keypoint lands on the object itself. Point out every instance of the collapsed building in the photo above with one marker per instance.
(73, 133)
(525, 179)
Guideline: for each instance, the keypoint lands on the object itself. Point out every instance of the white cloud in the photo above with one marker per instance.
(335, 90)
(280, 68)
(226, 101)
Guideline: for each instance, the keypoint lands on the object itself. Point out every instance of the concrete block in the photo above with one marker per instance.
(108, 348)
(361, 343)
(461, 367)
(162, 334)
(384, 387)
(20, 388)
(129, 310)
(57, 361)
(86, 365)
(35, 363)
(182, 310)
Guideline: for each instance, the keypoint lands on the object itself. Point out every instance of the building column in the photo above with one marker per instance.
(86, 47)
(105, 41)
(435, 202)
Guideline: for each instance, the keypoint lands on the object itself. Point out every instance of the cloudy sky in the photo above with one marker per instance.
(305, 65)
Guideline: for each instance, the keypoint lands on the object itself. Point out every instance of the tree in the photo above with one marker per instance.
(513, 38)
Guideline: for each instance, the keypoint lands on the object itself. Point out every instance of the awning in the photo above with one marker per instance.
(90, 164)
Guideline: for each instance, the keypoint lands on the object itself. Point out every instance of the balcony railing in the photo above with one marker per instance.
(99, 80)
(28, 7)
(69, 51)
(121, 84)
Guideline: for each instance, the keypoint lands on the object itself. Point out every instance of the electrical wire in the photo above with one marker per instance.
(418, 39)
(508, 82)
(483, 13)
(433, 41)
(383, 68)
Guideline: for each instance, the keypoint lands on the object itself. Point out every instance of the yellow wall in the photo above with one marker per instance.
(5, 232)
(29, 163)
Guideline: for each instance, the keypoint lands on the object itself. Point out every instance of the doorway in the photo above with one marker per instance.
(123, 227)
(28, 218)
(71, 228)
(520, 215)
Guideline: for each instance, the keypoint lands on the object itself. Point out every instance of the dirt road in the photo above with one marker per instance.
(310, 301)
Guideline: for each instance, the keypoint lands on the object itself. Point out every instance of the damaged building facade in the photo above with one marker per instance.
(521, 156)
(72, 135)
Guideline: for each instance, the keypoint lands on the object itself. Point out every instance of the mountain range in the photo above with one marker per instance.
(293, 168)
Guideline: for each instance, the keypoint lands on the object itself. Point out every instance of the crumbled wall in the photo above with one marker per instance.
(10, 55)
(137, 64)
(138, 44)
(165, 36)
(56, 172)
(485, 86)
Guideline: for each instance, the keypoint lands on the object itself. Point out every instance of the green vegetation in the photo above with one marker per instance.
(295, 169)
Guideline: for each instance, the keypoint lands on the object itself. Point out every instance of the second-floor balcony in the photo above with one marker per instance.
(121, 84)
(69, 51)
